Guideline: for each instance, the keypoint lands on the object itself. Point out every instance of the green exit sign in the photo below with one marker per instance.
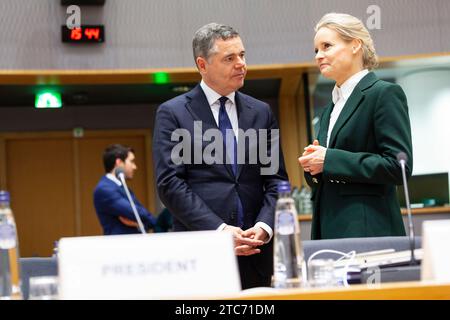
(48, 99)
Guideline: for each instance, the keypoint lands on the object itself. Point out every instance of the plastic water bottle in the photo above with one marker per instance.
(301, 200)
(55, 249)
(288, 251)
(9, 252)
(307, 203)
(296, 195)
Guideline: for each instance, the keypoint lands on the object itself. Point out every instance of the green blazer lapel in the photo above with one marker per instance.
(324, 123)
(352, 104)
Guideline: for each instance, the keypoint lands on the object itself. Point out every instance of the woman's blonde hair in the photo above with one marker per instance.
(350, 28)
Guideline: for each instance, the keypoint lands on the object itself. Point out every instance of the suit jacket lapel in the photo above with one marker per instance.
(352, 104)
(324, 123)
(113, 184)
(245, 114)
(199, 107)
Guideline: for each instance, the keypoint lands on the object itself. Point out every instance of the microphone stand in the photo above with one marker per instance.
(401, 273)
(408, 209)
(121, 176)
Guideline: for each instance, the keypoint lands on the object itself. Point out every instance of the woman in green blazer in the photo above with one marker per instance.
(352, 166)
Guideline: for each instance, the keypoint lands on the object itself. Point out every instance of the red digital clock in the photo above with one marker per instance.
(84, 34)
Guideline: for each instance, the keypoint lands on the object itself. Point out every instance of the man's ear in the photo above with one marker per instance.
(118, 163)
(201, 64)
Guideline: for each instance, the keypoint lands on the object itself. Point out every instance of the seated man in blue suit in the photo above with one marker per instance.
(110, 200)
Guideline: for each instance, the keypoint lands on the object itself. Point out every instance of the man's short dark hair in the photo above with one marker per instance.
(206, 36)
(113, 152)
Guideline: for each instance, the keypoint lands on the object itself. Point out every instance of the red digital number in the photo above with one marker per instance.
(76, 34)
(92, 33)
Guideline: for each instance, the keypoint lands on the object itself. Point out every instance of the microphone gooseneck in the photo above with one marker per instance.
(120, 174)
(402, 158)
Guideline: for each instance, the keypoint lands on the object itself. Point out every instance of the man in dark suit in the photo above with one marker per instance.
(110, 200)
(235, 195)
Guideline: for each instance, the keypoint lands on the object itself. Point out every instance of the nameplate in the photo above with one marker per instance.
(436, 255)
(175, 265)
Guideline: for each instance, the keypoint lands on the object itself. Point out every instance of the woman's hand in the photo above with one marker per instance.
(313, 158)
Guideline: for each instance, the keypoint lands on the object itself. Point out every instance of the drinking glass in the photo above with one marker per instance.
(321, 273)
(43, 288)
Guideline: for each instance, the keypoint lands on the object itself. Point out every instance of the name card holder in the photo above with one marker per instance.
(436, 255)
(175, 265)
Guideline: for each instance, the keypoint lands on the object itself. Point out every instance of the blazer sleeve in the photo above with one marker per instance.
(173, 190)
(311, 180)
(116, 204)
(147, 218)
(392, 135)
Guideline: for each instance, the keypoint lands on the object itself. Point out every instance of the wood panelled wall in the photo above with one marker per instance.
(291, 115)
(51, 177)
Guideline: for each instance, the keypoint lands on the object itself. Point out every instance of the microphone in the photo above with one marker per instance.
(120, 174)
(402, 158)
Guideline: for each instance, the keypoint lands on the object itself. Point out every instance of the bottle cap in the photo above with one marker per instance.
(4, 196)
(284, 186)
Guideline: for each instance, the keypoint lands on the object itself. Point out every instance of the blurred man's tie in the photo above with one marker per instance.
(231, 151)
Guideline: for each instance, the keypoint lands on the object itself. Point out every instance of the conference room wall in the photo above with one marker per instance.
(51, 174)
(27, 118)
(428, 93)
(39, 179)
(158, 33)
(51, 177)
